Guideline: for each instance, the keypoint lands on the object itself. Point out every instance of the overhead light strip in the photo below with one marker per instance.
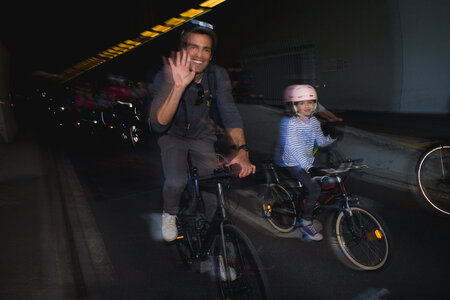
(192, 13)
(144, 37)
(211, 3)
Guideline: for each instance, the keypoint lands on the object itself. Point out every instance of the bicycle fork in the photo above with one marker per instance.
(346, 205)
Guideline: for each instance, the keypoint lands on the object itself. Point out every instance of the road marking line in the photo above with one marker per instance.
(85, 230)
(415, 145)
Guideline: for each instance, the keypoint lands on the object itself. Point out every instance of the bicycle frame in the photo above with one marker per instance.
(219, 220)
(340, 195)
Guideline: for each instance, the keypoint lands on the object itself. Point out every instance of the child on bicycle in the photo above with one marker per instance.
(300, 131)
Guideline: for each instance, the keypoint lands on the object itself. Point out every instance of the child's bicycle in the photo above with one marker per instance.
(433, 177)
(219, 246)
(358, 237)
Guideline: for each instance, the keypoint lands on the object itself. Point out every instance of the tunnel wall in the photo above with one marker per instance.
(8, 125)
(386, 55)
(425, 33)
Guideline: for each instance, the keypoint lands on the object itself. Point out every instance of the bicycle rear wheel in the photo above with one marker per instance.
(360, 240)
(239, 256)
(433, 176)
(278, 208)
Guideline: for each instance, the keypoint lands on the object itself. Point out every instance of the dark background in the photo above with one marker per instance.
(52, 36)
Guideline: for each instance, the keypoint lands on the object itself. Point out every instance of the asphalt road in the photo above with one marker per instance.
(121, 188)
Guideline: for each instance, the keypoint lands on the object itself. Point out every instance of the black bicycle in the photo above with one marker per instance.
(433, 177)
(230, 255)
(358, 237)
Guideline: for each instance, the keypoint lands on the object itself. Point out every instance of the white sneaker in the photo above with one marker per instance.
(223, 273)
(169, 227)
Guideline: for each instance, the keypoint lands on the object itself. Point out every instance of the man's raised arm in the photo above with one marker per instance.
(182, 73)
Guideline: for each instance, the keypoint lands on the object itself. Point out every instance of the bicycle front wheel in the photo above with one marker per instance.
(278, 208)
(360, 241)
(237, 268)
(433, 176)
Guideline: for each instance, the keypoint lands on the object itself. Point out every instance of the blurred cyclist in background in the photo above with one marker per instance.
(324, 113)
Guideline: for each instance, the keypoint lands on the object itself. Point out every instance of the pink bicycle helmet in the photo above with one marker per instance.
(299, 92)
(296, 93)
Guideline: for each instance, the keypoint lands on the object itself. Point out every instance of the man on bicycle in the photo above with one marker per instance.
(191, 96)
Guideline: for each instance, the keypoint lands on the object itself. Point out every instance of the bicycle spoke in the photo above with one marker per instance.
(239, 258)
(361, 239)
(278, 208)
(370, 250)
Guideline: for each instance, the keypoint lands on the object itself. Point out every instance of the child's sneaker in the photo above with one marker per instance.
(310, 233)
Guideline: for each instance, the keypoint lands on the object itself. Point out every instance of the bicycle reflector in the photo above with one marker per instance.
(378, 234)
(372, 236)
(269, 208)
(180, 237)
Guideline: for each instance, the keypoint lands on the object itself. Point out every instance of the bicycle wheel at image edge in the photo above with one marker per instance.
(278, 208)
(361, 241)
(250, 281)
(433, 176)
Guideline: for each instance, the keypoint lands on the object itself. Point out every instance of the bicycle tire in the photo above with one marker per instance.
(279, 208)
(433, 177)
(239, 253)
(360, 241)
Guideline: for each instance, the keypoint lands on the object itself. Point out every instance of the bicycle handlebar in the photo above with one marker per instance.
(344, 167)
